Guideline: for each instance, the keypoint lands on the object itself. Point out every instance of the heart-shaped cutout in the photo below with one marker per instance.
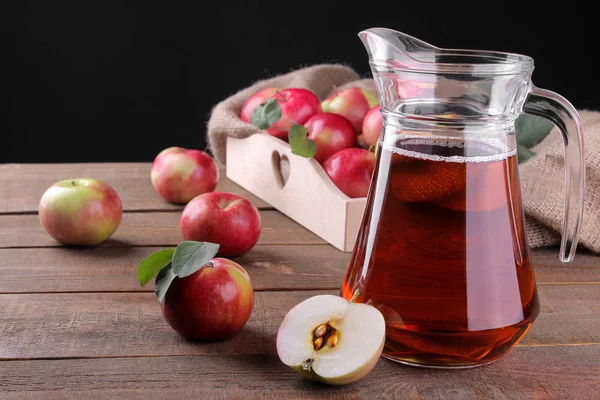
(281, 168)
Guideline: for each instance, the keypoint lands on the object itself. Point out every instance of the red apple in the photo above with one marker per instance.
(257, 99)
(178, 175)
(353, 103)
(227, 219)
(297, 105)
(213, 303)
(80, 211)
(331, 132)
(371, 128)
(351, 170)
(410, 88)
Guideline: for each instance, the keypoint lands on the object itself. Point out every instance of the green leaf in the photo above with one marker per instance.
(190, 256)
(300, 143)
(531, 130)
(523, 153)
(168, 264)
(150, 266)
(266, 114)
(163, 281)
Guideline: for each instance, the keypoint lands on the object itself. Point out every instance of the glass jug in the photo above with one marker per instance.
(442, 250)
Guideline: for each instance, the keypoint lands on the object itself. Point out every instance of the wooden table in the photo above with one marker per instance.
(75, 323)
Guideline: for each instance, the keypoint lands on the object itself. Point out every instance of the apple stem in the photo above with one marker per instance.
(355, 295)
(335, 90)
(281, 95)
(209, 265)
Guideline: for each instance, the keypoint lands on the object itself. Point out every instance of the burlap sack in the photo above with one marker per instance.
(320, 79)
(542, 186)
(542, 177)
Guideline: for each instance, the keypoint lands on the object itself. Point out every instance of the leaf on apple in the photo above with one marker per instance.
(300, 144)
(150, 266)
(168, 264)
(163, 281)
(190, 256)
(266, 114)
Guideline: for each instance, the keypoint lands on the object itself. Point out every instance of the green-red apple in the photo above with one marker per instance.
(178, 175)
(412, 88)
(353, 103)
(297, 106)
(255, 100)
(226, 219)
(351, 171)
(331, 132)
(80, 211)
(213, 303)
(371, 128)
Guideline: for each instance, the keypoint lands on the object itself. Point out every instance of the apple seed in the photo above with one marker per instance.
(317, 344)
(333, 339)
(324, 334)
(321, 330)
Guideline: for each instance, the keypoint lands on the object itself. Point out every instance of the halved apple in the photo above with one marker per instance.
(328, 339)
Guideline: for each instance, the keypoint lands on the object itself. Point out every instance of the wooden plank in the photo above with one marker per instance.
(149, 229)
(549, 256)
(122, 324)
(526, 373)
(584, 269)
(104, 269)
(23, 184)
(131, 324)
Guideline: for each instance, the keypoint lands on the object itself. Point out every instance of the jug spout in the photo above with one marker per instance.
(389, 46)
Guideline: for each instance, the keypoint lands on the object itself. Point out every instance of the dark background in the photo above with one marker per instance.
(102, 80)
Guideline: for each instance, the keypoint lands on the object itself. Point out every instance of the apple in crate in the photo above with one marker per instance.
(351, 170)
(256, 100)
(294, 105)
(227, 219)
(178, 175)
(331, 132)
(80, 211)
(201, 297)
(353, 103)
(371, 128)
(328, 339)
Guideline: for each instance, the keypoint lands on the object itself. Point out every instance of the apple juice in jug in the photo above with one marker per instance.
(442, 251)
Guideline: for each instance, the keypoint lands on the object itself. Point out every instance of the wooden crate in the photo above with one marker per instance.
(296, 186)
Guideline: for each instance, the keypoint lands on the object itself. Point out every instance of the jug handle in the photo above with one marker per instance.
(558, 110)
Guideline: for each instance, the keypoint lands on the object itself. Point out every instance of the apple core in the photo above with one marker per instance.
(325, 335)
